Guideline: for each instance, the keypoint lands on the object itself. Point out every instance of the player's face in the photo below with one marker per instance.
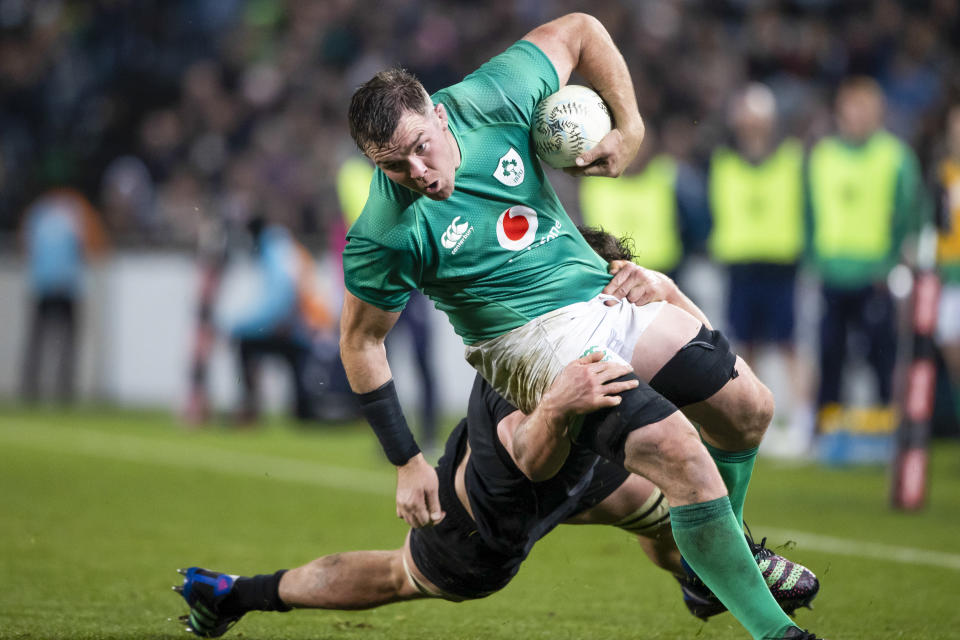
(422, 155)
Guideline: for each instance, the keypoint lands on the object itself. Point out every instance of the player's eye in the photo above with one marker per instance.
(422, 147)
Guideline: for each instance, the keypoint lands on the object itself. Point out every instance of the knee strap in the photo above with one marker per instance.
(698, 370)
(605, 432)
(651, 516)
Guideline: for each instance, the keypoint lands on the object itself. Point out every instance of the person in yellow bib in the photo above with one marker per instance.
(948, 255)
(757, 208)
(865, 197)
(658, 203)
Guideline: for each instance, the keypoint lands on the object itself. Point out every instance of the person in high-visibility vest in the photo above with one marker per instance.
(864, 198)
(757, 206)
(756, 202)
(948, 255)
(658, 203)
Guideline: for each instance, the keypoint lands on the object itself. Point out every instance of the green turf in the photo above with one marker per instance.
(98, 507)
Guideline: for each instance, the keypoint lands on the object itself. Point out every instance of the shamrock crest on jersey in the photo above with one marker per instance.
(509, 169)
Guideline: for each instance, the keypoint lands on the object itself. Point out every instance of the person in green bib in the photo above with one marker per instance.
(757, 208)
(864, 198)
(461, 210)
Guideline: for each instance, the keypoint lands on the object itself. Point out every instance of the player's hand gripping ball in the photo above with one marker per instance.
(569, 122)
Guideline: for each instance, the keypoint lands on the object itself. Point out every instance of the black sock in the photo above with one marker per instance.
(255, 593)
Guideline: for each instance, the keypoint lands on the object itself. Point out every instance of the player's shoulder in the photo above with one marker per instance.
(522, 57)
(389, 207)
(505, 88)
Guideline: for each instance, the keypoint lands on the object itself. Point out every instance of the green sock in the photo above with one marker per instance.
(713, 545)
(736, 469)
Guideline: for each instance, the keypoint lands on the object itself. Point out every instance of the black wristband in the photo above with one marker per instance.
(381, 408)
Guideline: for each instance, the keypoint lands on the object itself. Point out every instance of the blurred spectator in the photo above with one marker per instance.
(287, 319)
(127, 198)
(61, 232)
(948, 255)
(865, 197)
(756, 200)
(271, 79)
(212, 253)
(658, 203)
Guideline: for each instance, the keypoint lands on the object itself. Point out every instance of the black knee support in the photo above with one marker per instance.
(698, 370)
(605, 432)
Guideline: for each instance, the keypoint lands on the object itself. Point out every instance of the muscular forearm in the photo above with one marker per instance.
(365, 362)
(363, 330)
(602, 65)
(541, 442)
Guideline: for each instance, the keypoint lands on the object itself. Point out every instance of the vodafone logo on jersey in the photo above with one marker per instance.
(516, 228)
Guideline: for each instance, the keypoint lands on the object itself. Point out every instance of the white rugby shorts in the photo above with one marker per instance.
(522, 363)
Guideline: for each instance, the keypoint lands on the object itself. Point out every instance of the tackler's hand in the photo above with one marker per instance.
(638, 285)
(588, 384)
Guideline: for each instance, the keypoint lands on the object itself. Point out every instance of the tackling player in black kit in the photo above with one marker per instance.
(503, 485)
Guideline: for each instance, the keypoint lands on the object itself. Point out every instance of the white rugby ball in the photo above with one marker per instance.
(569, 122)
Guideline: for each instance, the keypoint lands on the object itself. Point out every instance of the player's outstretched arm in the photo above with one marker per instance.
(579, 42)
(539, 443)
(363, 329)
(641, 286)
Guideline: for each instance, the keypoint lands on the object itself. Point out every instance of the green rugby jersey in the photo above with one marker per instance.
(501, 250)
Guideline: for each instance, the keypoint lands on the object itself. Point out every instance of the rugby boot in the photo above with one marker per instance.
(206, 592)
(699, 598)
(791, 583)
(796, 633)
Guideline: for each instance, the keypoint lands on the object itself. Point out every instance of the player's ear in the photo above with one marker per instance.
(441, 112)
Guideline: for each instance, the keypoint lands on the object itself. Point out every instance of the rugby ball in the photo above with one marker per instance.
(569, 122)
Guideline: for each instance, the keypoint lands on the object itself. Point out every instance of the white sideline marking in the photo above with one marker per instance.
(198, 457)
(202, 457)
(863, 549)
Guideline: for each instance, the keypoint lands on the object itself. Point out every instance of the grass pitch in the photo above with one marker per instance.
(99, 507)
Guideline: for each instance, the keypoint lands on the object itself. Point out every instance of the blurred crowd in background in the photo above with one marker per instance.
(172, 117)
(159, 110)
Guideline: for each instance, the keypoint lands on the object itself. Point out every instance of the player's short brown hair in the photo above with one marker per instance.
(379, 103)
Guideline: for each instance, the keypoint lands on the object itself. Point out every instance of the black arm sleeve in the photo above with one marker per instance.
(381, 408)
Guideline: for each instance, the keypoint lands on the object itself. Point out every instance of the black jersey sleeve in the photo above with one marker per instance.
(497, 405)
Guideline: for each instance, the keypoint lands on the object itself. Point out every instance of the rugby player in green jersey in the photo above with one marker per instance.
(498, 506)
(460, 209)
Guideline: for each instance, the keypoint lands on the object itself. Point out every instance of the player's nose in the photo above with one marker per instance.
(418, 168)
